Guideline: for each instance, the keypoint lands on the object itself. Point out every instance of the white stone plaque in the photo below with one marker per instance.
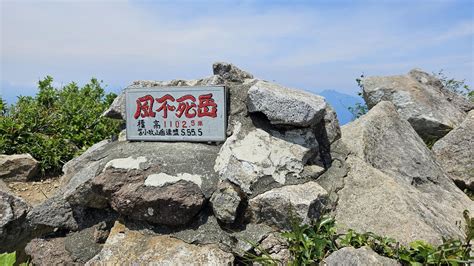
(176, 113)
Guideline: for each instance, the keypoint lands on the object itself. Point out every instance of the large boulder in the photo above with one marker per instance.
(18, 167)
(350, 256)
(126, 246)
(259, 159)
(284, 106)
(393, 186)
(277, 207)
(419, 99)
(13, 212)
(196, 161)
(455, 153)
(144, 195)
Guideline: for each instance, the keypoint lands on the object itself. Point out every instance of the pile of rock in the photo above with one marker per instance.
(283, 158)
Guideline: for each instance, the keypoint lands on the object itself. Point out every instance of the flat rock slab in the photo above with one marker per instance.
(455, 153)
(284, 106)
(125, 246)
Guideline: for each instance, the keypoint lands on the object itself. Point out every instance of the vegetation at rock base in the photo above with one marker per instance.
(56, 124)
(311, 244)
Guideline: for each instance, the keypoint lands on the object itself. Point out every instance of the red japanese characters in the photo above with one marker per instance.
(187, 106)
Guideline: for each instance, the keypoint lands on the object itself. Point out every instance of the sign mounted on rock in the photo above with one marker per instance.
(176, 113)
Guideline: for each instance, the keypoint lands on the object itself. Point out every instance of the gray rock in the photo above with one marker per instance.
(54, 213)
(127, 246)
(393, 186)
(455, 153)
(276, 248)
(230, 72)
(279, 206)
(4, 187)
(418, 99)
(13, 211)
(18, 167)
(350, 256)
(283, 106)
(258, 158)
(78, 163)
(48, 252)
(127, 193)
(117, 108)
(81, 245)
(225, 202)
(175, 161)
(206, 230)
(456, 99)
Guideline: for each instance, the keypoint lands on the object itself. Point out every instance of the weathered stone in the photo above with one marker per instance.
(259, 157)
(18, 167)
(81, 245)
(206, 230)
(78, 163)
(276, 248)
(125, 246)
(172, 204)
(48, 252)
(283, 106)
(363, 256)
(117, 108)
(225, 202)
(54, 213)
(456, 99)
(394, 187)
(13, 211)
(418, 99)
(455, 153)
(4, 187)
(278, 206)
(230, 72)
(175, 160)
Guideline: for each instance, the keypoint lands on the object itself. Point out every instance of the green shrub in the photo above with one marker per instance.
(57, 124)
(7, 259)
(310, 244)
(457, 86)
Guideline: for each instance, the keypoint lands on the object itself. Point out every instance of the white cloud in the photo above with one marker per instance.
(122, 41)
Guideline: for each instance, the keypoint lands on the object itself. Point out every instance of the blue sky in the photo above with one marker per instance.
(311, 45)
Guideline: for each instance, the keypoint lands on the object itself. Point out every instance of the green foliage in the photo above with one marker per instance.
(57, 124)
(7, 259)
(310, 244)
(3, 107)
(359, 109)
(457, 86)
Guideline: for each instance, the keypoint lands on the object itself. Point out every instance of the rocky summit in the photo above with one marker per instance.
(285, 158)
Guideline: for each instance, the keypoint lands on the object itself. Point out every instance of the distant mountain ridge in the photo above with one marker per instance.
(340, 102)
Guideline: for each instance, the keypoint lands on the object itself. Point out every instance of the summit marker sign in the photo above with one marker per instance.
(176, 113)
